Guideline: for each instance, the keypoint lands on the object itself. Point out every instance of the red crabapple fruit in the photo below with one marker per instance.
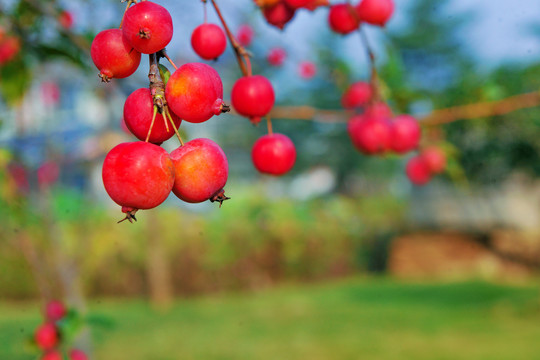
(76, 354)
(148, 27)
(52, 355)
(278, 15)
(253, 96)
(46, 336)
(405, 133)
(138, 113)
(9, 48)
(379, 110)
(276, 56)
(208, 41)
(194, 92)
(370, 135)
(65, 19)
(314, 4)
(273, 154)
(418, 171)
(138, 175)
(307, 69)
(55, 310)
(201, 171)
(375, 12)
(356, 95)
(113, 55)
(434, 158)
(244, 35)
(343, 18)
(296, 4)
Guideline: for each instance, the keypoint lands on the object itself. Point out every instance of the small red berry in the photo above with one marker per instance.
(208, 41)
(201, 170)
(76, 354)
(52, 355)
(418, 171)
(405, 133)
(273, 154)
(46, 336)
(148, 27)
(65, 19)
(356, 95)
(139, 175)
(253, 96)
(435, 159)
(138, 113)
(307, 69)
(113, 55)
(343, 18)
(375, 12)
(276, 56)
(244, 35)
(9, 48)
(370, 135)
(295, 4)
(55, 310)
(278, 15)
(379, 110)
(194, 92)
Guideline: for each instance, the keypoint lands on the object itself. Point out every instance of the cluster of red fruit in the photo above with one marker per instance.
(141, 175)
(279, 12)
(345, 18)
(375, 132)
(48, 336)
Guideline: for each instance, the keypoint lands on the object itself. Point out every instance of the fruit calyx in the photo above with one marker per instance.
(130, 214)
(219, 197)
(145, 33)
(221, 107)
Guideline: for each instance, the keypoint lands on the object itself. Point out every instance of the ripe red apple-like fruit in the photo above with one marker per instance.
(295, 4)
(278, 15)
(55, 310)
(418, 171)
(356, 95)
(370, 135)
(273, 154)
(113, 55)
(276, 56)
(76, 354)
(307, 69)
(435, 159)
(9, 48)
(138, 113)
(405, 133)
(378, 110)
(343, 18)
(52, 355)
(244, 35)
(194, 92)
(137, 174)
(314, 4)
(46, 336)
(201, 170)
(208, 41)
(375, 12)
(253, 97)
(148, 27)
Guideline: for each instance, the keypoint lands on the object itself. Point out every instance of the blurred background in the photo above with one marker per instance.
(340, 259)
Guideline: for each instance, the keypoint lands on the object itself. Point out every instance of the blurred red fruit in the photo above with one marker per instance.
(52, 355)
(276, 56)
(9, 48)
(295, 4)
(435, 159)
(244, 35)
(375, 12)
(406, 133)
(356, 95)
(65, 19)
(55, 310)
(370, 135)
(19, 174)
(278, 15)
(50, 93)
(343, 18)
(314, 4)
(307, 69)
(46, 336)
(418, 171)
(76, 354)
(379, 110)
(48, 173)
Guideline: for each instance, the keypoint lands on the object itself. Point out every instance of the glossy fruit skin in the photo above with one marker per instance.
(356, 95)
(76, 354)
(418, 171)
(244, 35)
(138, 112)
(194, 92)
(9, 48)
(375, 12)
(307, 69)
(52, 355)
(148, 27)
(55, 310)
(113, 55)
(253, 97)
(138, 175)
(208, 41)
(276, 56)
(201, 170)
(278, 15)
(435, 159)
(46, 336)
(343, 18)
(370, 135)
(273, 154)
(295, 4)
(405, 133)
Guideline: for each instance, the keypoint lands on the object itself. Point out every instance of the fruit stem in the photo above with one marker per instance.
(151, 124)
(205, 12)
(269, 125)
(163, 53)
(242, 56)
(168, 114)
(374, 80)
(129, 3)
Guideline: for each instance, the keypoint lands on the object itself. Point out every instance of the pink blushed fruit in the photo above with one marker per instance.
(113, 55)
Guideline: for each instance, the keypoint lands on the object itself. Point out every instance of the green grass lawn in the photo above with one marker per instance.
(354, 319)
